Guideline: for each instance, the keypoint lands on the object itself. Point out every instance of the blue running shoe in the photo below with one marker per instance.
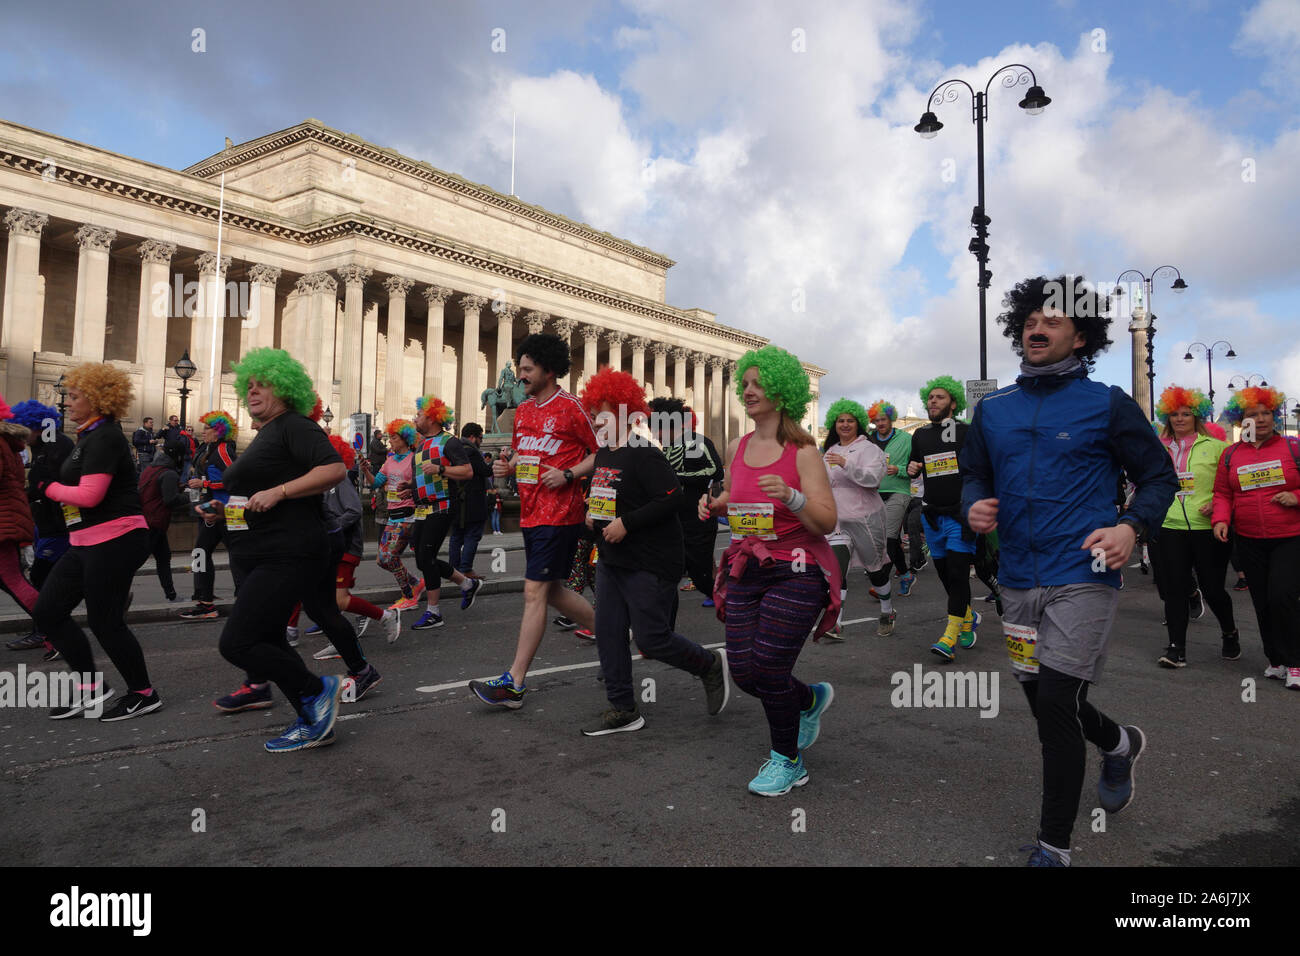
(1041, 857)
(427, 622)
(323, 709)
(298, 737)
(467, 595)
(779, 776)
(968, 638)
(810, 720)
(906, 583)
(707, 602)
(1115, 787)
(499, 691)
(314, 629)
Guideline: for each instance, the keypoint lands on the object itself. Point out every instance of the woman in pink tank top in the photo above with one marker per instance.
(778, 577)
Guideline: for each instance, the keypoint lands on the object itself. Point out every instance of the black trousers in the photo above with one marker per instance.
(1272, 566)
(699, 538)
(426, 541)
(1175, 554)
(915, 532)
(101, 574)
(205, 580)
(162, 556)
(954, 572)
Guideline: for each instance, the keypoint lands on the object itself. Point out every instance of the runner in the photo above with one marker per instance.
(934, 457)
(778, 575)
(394, 479)
(160, 492)
(109, 539)
(896, 487)
(277, 539)
(469, 505)
(633, 509)
(1257, 493)
(1040, 465)
(1186, 543)
(553, 445)
(856, 465)
(211, 459)
(17, 529)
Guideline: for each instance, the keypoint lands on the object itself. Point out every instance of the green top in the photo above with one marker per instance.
(898, 449)
(1195, 485)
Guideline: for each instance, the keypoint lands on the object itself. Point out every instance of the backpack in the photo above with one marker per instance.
(156, 514)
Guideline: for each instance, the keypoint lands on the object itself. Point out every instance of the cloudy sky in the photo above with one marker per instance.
(768, 148)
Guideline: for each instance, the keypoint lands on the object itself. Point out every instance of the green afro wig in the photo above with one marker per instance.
(842, 406)
(277, 368)
(949, 385)
(781, 376)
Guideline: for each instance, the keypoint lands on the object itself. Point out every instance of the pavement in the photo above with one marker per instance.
(425, 774)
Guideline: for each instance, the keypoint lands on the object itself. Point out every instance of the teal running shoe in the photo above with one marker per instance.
(810, 720)
(779, 776)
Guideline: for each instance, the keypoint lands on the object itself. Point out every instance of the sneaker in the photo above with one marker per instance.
(707, 602)
(779, 776)
(1195, 606)
(564, 624)
(810, 720)
(906, 583)
(323, 709)
(291, 636)
(1231, 647)
(1293, 678)
(313, 630)
(945, 647)
(356, 686)
(298, 737)
(614, 722)
(132, 705)
(1042, 857)
(87, 699)
(886, 626)
(499, 691)
(1173, 656)
(717, 689)
(835, 635)
(925, 559)
(326, 653)
(1115, 787)
(968, 638)
(418, 591)
(51, 653)
(583, 634)
(468, 594)
(426, 621)
(200, 611)
(360, 623)
(247, 697)
(688, 586)
(989, 598)
(29, 643)
(1277, 673)
(1241, 585)
(405, 604)
(874, 595)
(392, 621)
(171, 596)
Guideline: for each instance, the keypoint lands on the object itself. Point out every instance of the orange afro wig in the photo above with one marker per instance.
(620, 389)
(345, 451)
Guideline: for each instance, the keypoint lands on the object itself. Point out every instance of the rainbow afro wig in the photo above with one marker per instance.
(620, 389)
(949, 385)
(1175, 397)
(289, 381)
(221, 421)
(882, 407)
(345, 451)
(847, 406)
(438, 411)
(780, 375)
(1244, 398)
(404, 429)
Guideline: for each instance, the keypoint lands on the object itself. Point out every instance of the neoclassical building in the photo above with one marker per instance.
(386, 277)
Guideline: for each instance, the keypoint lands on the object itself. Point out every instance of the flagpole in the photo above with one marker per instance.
(512, 154)
(218, 317)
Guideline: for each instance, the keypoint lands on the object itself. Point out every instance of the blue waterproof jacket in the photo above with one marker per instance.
(1050, 449)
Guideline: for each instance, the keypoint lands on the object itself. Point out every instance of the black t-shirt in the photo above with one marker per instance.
(47, 462)
(286, 448)
(942, 477)
(102, 449)
(645, 491)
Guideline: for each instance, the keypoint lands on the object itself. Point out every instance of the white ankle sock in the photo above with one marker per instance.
(1063, 854)
(1121, 749)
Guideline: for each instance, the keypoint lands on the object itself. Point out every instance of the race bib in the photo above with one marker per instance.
(526, 468)
(918, 487)
(71, 514)
(423, 511)
(1186, 484)
(751, 521)
(235, 519)
(943, 463)
(600, 506)
(1022, 645)
(392, 494)
(1265, 474)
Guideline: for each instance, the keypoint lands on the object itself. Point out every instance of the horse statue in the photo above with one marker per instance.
(508, 394)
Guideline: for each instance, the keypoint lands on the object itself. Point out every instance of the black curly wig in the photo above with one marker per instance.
(1079, 300)
(549, 351)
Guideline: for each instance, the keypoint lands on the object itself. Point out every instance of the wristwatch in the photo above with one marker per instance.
(568, 474)
(442, 469)
(1138, 527)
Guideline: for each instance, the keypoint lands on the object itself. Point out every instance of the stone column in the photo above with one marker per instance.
(505, 340)
(698, 402)
(91, 312)
(350, 349)
(661, 368)
(151, 326)
(24, 301)
(680, 355)
(436, 296)
(735, 412)
(212, 296)
(615, 340)
(313, 329)
(369, 356)
(467, 365)
(537, 322)
(564, 329)
(1140, 328)
(638, 346)
(590, 356)
(716, 428)
(394, 361)
(260, 327)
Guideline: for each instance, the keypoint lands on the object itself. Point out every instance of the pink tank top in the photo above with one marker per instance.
(751, 511)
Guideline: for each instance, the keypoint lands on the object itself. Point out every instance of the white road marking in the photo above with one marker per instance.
(858, 620)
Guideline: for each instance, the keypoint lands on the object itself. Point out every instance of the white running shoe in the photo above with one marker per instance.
(326, 653)
(291, 635)
(1293, 678)
(361, 622)
(1277, 673)
(392, 621)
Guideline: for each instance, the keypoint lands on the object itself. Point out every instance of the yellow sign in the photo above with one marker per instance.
(1264, 474)
(235, 519)
(71, 515)
(1022, 645)
(751, 520)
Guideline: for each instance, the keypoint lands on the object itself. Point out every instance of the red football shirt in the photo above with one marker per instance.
(555, 434)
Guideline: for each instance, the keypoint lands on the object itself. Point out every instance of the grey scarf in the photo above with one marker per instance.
(1063, 367)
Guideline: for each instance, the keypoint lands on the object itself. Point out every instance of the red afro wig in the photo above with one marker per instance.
(6, 412)
(1215, 430)
(618, 388)
(346, 452)
(317, 410)
(695, 419)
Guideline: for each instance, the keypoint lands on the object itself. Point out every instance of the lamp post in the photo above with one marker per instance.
(1179, 286)
(1295, 413)
(62, 389)
(1209, 360)
(184, 370)
(947, 92)
(1247, 381)
(327, 417)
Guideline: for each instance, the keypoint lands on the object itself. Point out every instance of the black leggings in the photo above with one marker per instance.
(1272, 566)
(699, 537)
(843, 553)
(205, 579)
(321, 605)
(1059, 703)
(102, 575)
(161, 550)
(1174, 555)
(954, 572)
(426, 541)
(915, 533)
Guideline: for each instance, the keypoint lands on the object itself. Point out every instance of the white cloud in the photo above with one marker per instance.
(1272, 30)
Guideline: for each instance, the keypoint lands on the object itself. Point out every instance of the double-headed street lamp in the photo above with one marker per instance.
(1209, 360)
(1163, 272)
(1247, 381)
(947, 92)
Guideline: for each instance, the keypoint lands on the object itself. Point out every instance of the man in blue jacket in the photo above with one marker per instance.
(1040, 465)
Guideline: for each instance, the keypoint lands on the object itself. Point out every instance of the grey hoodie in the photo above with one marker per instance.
(343, 512)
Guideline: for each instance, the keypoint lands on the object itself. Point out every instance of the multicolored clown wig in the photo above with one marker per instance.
(620, 389)
(949, 385)
(782, 378)
(346, 451)
(847, 406)
(1245, 398)
(34, 415)
(882, 407)
(1176, 396)
(222, 423)
(289, 381)
(438, 411)
(403, 429)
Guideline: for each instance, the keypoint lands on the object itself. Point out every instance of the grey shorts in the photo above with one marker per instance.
(1073, 622)
(895, 511)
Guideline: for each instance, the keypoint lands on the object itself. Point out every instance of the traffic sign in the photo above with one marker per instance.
(977, 388)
